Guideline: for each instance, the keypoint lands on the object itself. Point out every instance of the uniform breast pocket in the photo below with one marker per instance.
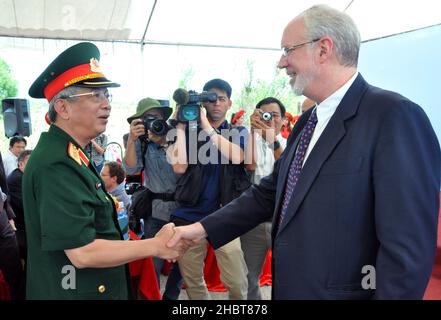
(352, 165)
(103, 214)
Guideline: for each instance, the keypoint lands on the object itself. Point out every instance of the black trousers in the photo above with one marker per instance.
(11, 267)
(22, 245)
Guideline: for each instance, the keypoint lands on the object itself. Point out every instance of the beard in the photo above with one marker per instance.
(298, 84)
(301, 81)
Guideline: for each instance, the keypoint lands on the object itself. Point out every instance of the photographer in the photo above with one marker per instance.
(147, 151)
(96, 149)
(264, 147)
(210, 185)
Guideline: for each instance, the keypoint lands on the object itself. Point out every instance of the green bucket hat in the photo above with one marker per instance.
(148, 103)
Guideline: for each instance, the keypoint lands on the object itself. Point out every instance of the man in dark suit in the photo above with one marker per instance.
(10, 264)
(14, 181)
(355, 196)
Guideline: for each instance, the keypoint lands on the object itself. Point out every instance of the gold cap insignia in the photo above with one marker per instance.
(95, 65)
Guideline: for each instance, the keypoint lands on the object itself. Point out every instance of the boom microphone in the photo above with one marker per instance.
(181, 96)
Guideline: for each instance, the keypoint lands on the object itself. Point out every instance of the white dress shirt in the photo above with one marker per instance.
(10, 162)
(325, 111)
(264, 158)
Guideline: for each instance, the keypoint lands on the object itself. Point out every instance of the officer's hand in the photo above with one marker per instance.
(164, 252)
(136, 129)
(190, 235)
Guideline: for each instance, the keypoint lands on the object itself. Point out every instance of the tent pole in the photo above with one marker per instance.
(148, 24)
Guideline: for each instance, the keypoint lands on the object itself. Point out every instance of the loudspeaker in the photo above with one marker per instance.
(16, 117)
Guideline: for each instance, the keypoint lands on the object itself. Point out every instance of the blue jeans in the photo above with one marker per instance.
(174, 281)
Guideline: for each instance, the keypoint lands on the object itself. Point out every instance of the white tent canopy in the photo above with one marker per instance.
(149, 46)
(230, 23)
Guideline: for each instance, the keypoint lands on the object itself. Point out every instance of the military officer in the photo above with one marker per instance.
(75, 245)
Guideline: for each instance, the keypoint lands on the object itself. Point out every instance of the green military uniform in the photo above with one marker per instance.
(65, 203)
(66, 207)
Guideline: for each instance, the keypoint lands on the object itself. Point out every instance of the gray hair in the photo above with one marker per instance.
(63, 94)
(322, 20)
(23, 155)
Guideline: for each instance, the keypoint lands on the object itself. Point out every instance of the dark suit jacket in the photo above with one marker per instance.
(15, 197)
(368, 195)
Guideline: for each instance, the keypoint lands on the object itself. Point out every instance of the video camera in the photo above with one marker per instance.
(190, 103)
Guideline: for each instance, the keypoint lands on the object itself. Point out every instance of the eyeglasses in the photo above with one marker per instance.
(286, 51)
(98, 95)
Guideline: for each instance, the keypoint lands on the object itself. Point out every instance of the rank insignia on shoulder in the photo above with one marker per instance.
(77, 154)
(72, 151)
(83, 157)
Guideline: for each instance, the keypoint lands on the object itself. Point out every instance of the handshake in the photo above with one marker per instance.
(173, 242)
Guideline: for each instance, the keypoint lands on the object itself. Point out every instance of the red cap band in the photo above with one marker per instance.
(68, 78)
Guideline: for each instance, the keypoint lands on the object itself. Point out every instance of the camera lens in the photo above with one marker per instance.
(190, 113)
(159, 127)
(156, 126)
(267, 116)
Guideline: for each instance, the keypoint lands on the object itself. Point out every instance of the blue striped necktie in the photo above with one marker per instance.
(296, 164)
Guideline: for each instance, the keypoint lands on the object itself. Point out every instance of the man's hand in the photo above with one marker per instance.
(175, 113)
(136, 129)
(164, 251)
(12, 223)
(205, 124)
(187, 235)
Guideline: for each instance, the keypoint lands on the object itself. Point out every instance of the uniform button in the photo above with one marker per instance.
(101, 289)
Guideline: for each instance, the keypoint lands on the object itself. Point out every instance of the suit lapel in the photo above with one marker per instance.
(329, 139)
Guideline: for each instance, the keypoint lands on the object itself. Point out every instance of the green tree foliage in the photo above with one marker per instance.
(8, 85)
(186, 75)
(255, 90)
(8, 88)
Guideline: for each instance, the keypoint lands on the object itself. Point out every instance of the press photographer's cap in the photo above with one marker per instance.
(148, 103)
(77, 65)
(218, 84)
